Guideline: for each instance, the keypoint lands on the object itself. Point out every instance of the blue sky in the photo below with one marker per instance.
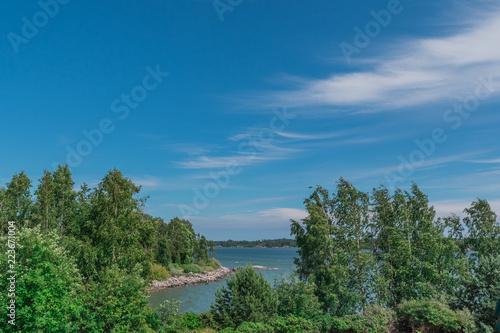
(227, 111)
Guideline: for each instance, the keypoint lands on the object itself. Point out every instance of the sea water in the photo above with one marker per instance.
(197, 298)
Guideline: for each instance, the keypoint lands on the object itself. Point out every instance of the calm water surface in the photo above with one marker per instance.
(198, 298)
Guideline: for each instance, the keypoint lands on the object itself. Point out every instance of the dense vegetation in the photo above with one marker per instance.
(84, 258)
(282, 242)
(368, 262)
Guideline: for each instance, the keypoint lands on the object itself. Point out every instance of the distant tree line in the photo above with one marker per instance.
(282, 242)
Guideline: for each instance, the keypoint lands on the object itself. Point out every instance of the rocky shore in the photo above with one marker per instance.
(193, 279)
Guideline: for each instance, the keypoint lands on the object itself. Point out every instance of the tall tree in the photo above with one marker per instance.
(181, 241)
(44, 209)
(64, 196)
(18, 200)
(483, 228)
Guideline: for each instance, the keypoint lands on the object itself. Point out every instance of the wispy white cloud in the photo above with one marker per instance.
(428, 70)
(188, 148)
(430, 162)
(493, 161)
(258, 201)
(300, 136)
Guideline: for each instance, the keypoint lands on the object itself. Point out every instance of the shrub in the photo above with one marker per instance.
(191, 321)
(207, 318)
(249, 327)
(214, 263)
(174, 269)
(292, 324)
(48, 284)
(159, 273)
(246, 296)
(386, 315)
(428, 315)
(297, 298)
(118, 303)
(481, 290)
(208, 269)
(193, 268)
(353, 324)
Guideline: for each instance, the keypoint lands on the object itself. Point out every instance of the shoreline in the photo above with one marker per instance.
(192, 279)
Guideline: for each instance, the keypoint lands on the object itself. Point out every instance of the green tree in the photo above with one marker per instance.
(201, 248)
(297, 298)
(181, 240)
(47, 284)
(211, 245)
(118, 303)
(162, 252)
(481, 291)
(64, 196)
(331, 248)
(18, 202)
(483, 228)
(44, 212)
(414, 259)
(246, 296)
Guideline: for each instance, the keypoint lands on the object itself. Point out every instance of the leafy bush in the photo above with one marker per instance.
(428, 315)
(246, 296)
(48, 284)
(297, 298)
(387, 315)
(214, 263)
(193, 268)
(174, 269)
(208, 320)
(353, 324)
(208, 269)
(118, 302)
(481, 290)
(248, 327)
(191, 321)
(159, 273)
(292, 324)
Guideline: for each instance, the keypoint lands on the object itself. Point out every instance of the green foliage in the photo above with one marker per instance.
(159, 273)
(47, 284)
(431, 315)
(354, 324)
(181, 240)
(214, 263)
(386, 315)
(118, 303)
(246, 296)
(297, 298)
(481, 291)
(293, 324)
(193, 268)
(208, 269)
(360, 249)
(191, 321)
(483, 228)
(168, 312)
(16, 204)
(249, 327)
